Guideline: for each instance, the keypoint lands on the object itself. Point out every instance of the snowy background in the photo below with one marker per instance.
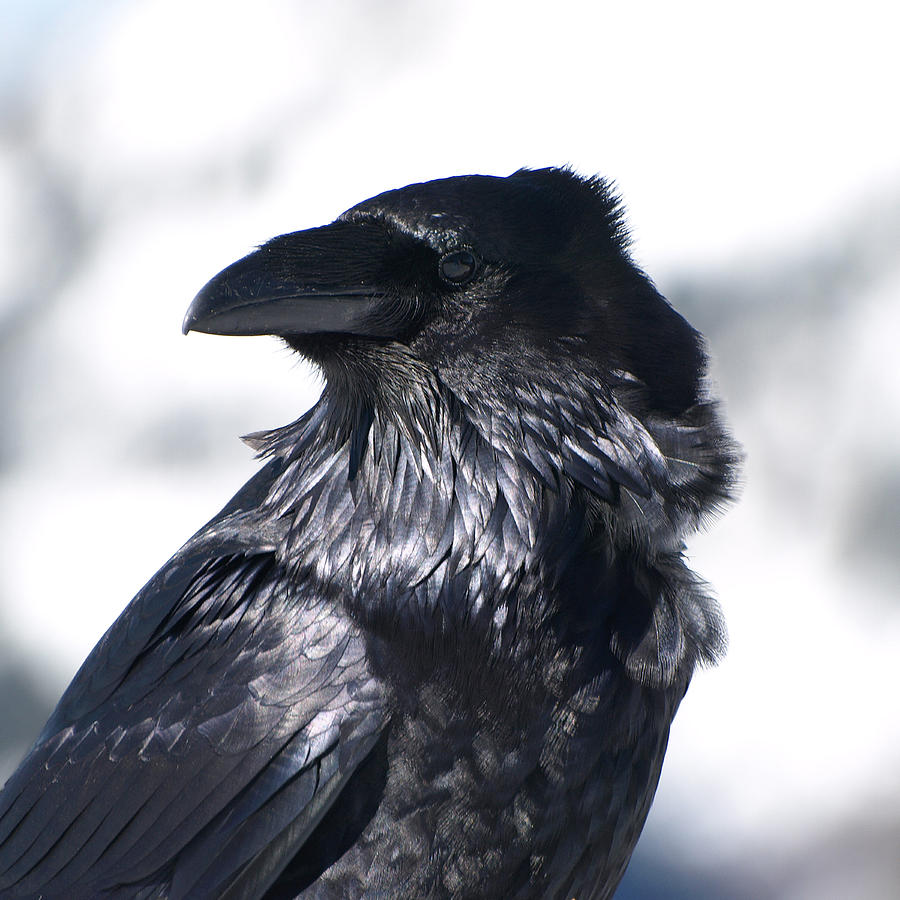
(145, 145)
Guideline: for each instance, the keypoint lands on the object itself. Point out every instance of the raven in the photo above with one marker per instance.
(434, 647)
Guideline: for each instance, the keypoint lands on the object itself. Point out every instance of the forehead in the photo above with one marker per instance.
(493, 214)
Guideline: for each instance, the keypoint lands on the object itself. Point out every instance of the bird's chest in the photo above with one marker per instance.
(499, 785)
(520, 760)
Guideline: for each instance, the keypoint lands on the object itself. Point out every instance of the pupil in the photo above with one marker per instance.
(459, 266)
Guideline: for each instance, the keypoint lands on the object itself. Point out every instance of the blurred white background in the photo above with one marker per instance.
(144, 145)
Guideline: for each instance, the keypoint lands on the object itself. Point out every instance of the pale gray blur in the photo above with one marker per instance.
(145, 145)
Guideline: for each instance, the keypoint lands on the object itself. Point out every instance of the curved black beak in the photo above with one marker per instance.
(330, 279)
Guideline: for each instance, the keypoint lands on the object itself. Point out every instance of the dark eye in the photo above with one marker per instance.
(459, 266)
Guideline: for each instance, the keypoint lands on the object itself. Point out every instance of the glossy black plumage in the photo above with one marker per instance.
(434, 647)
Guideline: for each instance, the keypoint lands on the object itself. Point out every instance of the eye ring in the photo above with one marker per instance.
(458, 266)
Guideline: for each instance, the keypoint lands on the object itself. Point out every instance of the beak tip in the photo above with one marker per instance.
(189, 321)
(194, 315)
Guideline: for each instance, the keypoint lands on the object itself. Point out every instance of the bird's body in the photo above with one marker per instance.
(433, 649)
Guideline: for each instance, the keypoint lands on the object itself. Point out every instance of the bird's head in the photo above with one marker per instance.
(477, 281)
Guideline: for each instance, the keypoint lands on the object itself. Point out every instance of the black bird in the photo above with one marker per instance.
(434, 647)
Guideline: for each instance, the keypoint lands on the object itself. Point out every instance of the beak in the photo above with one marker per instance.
(330, 279)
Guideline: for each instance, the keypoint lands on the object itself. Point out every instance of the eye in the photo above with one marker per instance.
(459, 266)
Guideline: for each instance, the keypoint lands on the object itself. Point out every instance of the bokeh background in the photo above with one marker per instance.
(146, 144)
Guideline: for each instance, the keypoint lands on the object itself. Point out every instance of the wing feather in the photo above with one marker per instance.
(202, 740)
